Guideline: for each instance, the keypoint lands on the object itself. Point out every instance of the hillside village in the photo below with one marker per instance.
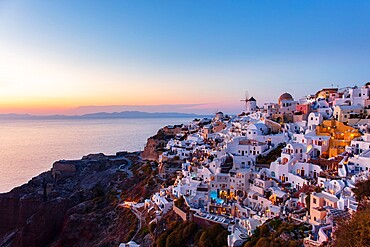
(294, 159)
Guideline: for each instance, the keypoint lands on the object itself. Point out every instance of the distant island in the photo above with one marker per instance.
(103, 115)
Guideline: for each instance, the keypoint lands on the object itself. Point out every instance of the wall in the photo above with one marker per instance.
(179, 212)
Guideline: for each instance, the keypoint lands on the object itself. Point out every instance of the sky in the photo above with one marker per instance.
(64, 56)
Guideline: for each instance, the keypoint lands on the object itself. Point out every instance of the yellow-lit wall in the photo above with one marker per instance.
(341, 135)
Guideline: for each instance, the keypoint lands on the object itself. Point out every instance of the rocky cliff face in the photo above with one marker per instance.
(44, 225)
(151, 149)
(156, 144)
(75, 205)
(17, 206)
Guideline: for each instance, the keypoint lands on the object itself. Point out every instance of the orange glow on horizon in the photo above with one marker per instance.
(50, 106)
(60, 105)
(36, 82)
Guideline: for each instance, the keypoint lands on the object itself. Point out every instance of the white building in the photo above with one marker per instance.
(270, 109)
(314, 119)
(245, 150)
(322, 106)
(164, 203)
(287, 105)
(343, 113)
(129, 244)
(251, 105)
(360, 144)
(316, 145)
(360, 163)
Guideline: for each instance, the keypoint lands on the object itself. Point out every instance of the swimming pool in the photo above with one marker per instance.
(213, 195)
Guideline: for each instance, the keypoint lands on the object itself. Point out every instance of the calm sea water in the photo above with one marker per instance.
(28, 148)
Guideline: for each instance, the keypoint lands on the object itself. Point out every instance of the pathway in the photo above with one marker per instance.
(136, 212)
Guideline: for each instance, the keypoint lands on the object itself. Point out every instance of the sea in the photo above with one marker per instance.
(30, 147)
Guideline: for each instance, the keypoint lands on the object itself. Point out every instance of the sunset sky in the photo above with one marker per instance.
(56, 56)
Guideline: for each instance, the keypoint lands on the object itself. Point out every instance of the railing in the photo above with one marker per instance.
(322, 235)
(309, 242)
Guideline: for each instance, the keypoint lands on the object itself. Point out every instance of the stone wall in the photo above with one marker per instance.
(180, 213)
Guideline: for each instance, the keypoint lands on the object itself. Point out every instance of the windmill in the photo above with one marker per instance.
(246, 99)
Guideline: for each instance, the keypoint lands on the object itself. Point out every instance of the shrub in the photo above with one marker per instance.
(152, 227)
(263, 242)
(355, 231)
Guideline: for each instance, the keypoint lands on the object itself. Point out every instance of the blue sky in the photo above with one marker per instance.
(57, 55)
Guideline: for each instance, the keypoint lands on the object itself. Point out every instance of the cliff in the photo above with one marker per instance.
(74, 204)
(157, 143)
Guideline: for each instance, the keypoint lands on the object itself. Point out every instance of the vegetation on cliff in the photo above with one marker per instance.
(355, 231)
(142, 184)
(270, 157)
(278, 233)
(362, 192)
(171, 231)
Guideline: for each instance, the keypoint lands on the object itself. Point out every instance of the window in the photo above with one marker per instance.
(314, 201)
